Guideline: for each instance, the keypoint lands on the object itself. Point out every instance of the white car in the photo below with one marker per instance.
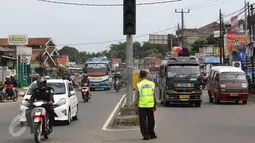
(66, 102)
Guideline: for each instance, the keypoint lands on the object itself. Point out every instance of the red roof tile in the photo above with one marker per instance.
(116, 60)
(62, 60)
(31, 41)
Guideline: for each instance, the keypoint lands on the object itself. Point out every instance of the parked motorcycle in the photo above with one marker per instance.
(4, 96)
(38, 120)
(85, 92)
(117, 85)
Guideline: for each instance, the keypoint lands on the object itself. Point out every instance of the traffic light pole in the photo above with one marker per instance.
(129, 63)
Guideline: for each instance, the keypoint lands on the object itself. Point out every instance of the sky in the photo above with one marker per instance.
(87, 28)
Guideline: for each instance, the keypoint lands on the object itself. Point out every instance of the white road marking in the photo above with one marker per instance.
(112, 114)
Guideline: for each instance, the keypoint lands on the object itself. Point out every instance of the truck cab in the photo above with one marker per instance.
(180, 81)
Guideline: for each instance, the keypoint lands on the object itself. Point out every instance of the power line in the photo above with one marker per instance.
(110, 41)
(107, 5)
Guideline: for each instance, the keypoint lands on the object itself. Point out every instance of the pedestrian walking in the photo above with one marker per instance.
(146, 105)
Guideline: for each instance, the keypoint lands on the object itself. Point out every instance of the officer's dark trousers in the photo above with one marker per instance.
(147, 122)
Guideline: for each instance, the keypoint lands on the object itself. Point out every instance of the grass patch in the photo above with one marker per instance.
(126, 121)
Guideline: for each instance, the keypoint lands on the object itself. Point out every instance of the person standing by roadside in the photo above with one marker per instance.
(146, 104)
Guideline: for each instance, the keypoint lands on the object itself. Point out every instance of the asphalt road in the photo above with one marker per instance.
(88, 128)
(224, 123)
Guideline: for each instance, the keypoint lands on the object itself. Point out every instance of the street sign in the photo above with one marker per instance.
(18, 40)
(158, 39)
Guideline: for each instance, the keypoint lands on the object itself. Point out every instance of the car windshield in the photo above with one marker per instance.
(185, 70)
(59, 88)
(230, 76)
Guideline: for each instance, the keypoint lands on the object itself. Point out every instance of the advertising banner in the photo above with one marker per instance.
(236, 42)
(18, 40)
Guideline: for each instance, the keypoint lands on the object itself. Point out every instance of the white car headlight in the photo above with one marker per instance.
(222, 85)
(61, 101)
(244, 85)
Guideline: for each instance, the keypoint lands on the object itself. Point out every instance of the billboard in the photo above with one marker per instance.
(18, 40)
(158, 39)
(236, 42)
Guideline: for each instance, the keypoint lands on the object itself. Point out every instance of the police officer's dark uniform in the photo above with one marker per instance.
(44, 93)
(146, 104)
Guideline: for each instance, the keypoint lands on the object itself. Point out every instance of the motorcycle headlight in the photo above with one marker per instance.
(25, 103)
(61, 102)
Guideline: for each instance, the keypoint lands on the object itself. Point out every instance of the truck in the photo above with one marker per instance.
(99, 73)
(180, 81)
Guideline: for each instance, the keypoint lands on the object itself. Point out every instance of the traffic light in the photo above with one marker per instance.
(129, 17)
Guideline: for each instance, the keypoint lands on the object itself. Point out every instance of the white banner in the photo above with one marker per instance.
(96, 66)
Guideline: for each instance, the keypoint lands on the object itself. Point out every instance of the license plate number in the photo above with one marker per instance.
(184, 96)
(96, 84)
(234, 94)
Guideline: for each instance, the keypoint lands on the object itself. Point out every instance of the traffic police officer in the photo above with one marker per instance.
(146, 104)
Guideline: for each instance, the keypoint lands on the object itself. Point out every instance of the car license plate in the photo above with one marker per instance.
(184, 96)
(96, 84)
(234, 94)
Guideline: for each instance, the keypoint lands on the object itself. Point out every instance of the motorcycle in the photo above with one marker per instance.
(117, 85)
(5, 96)
(85, 92)
(38, 120)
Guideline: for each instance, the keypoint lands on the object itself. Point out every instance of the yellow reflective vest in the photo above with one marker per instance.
(146, 94)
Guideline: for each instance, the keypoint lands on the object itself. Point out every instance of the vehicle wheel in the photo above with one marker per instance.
(160, 94)
(68, 121)
(216, 101)
(21, 124)
(210, 99)
(164, 103)
(2, 98)
(236, 102)
(198, 104)
(37, 134)
(244, 102)
(76, 115)
(46, 137)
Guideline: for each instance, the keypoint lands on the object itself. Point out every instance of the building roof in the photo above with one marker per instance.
(31, 41)
(116, 60)
(62, 60)
(35, 56)
(221, 69)
(3, 49)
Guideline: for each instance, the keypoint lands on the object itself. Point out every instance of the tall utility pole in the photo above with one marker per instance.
(253, 39)
(182, 17)
(220, 44)
(245, 9)
(178, 34)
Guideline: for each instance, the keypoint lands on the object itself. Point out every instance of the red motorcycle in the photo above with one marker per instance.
(85, 93)
(39, 122)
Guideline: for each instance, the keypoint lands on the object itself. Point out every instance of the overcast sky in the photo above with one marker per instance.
(68, 24)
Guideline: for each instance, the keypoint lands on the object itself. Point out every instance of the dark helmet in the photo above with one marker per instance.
(41, 82)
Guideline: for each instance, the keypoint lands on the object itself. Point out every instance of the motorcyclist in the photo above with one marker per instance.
(85, 79)
(14, 82)
(9, 86)
(45, 93)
